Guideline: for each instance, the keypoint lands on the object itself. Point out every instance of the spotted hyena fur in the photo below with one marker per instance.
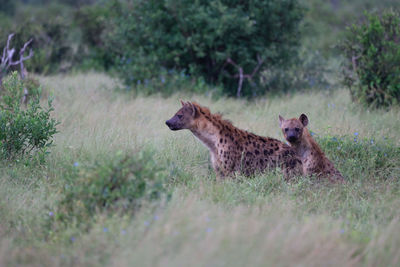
(232, 149)
(313, 160)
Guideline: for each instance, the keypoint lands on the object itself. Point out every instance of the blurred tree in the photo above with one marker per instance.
(218, 40)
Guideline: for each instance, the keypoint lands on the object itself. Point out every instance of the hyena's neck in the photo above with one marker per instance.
(208, 135)
(307, 145)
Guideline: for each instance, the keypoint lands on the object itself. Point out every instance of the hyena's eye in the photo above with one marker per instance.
(296, 129)
(180, 116)
(286, 129)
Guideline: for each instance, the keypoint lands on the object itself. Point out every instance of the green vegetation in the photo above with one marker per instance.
(118, 184)
(255, 221)
(24, 131)
(201, 37)
(372, 52)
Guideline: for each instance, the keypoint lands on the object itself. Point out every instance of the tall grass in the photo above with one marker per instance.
(262, 221)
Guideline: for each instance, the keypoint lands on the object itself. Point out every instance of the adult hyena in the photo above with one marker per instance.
(232, 149)
(313, 159)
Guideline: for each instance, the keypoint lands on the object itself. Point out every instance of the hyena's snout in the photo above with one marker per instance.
(292, 136)
(173, 124)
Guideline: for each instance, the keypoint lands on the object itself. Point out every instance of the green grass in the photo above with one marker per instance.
(261, 221)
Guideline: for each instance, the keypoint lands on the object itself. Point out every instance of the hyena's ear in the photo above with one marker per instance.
(281, 120)
(183, 103)
(195, 110)
(303, 119)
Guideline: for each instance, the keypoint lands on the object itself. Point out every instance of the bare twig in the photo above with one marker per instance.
(7, 61)
(242, 76)
(354, 63)
(7, 57)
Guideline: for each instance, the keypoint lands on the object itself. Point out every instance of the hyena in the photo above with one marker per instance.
(312, 158)
(232, 149)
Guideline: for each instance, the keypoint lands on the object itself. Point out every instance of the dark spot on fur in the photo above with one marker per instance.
(257, 152)
(220, 140)
(292, 163)
(249, 154)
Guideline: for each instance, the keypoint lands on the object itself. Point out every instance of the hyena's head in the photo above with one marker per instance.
(184, 118)
(292, 129)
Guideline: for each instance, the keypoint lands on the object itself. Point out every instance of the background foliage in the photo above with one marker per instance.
(372, 60)
(24, 131)
(151, 45)
(198, 38)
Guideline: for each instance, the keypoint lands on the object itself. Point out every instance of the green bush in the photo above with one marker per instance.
(198, 37)
(23, 130)
(372, 60)
(121, 183)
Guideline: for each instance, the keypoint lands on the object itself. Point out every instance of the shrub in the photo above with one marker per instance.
(199, 37)
(372, 60)
(23, 131)
(121, 183)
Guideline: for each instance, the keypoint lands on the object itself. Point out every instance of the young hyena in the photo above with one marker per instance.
(232, 149)
(313, 159)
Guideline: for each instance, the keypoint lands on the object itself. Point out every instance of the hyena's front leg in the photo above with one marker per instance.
(292, 167)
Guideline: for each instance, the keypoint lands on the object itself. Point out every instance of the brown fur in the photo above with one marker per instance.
(313, 158)
(232, 149)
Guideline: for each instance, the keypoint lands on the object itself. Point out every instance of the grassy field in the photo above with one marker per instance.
(261, 221)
